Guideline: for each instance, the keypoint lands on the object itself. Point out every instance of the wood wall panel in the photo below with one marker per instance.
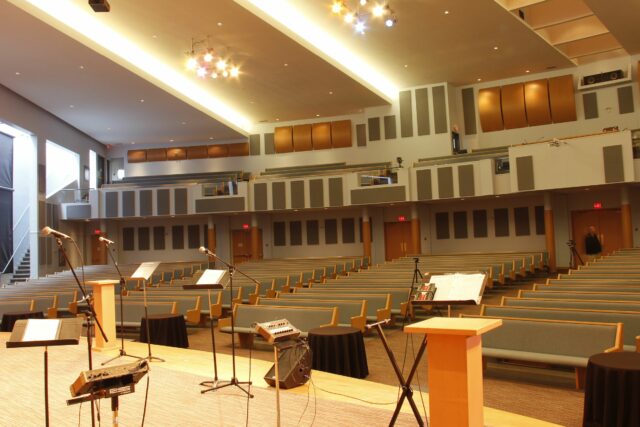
(562, 99)
(177, 153)
(321, 136)
(513, 111)
(341, 134)
(156, 155)
(136, 156)
(238, 149)
(489, 109)
(536, 98)
(284, 139)
(302, 138)
(197, 152)
(218, 150)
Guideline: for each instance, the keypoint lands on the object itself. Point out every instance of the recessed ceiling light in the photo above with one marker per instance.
(495, 48)
(527, 71)
(478, 79)
(108, 128)
(133, 142)
(184, 123)
(252, 102)
(406, 65)
(210, 137)
(286, 65)
(81, 67)
(330, 92)
(71, 106)
(317, 115)
(141, 100)
(219, 24)
(277, 119)
(155, 36)
(446, 12)
(171, 140)
(17, 73)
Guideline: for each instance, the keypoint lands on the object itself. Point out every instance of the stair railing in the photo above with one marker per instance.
(23, 245)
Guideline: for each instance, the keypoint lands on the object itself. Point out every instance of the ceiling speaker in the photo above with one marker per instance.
(100, 5)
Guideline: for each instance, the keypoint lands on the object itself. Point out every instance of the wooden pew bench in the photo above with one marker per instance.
(399, 296)
(134, 311)
(553, 342)
(629, 319)
(613, 296)
(304, 318)
(378, 305)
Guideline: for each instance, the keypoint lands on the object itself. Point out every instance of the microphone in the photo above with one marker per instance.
(206, 251)
(106, 241)
(47, 231)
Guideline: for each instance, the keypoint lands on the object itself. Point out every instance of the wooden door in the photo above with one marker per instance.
(397, 239)
(241, 245)
(98, 251)
(608, 226)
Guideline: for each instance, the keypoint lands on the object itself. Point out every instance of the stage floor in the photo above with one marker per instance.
(175, 398)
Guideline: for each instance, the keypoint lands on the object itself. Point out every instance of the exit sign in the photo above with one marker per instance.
(597, 205)
(402, 218)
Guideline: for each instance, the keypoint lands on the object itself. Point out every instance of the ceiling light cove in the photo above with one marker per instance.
(285, 16)
(76, 21)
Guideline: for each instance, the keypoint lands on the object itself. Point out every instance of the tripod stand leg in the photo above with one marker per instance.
(213, 383)
(46, 386)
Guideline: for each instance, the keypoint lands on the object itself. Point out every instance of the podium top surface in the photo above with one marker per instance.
(102, 282)
(453, 326)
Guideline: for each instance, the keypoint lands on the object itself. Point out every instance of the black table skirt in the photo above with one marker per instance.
(9, 319)
(612, 390)
(165, 329)
(339, 350)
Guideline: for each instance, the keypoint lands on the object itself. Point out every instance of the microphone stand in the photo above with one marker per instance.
(91, 314)
(122, 352)
(234, 381)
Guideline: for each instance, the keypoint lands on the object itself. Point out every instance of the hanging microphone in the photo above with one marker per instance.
(48, 231)
(206, 251)
(106, 241)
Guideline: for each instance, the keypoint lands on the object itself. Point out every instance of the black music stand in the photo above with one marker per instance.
(211, 279)
(45, 333)
(144, 272)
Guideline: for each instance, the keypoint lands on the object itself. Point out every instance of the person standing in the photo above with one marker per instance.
(592, 243)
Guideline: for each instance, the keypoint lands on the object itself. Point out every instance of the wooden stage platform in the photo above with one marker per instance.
(175, 398)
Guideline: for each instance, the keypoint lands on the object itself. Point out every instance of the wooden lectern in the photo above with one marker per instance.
(455, 368)
(104, 303)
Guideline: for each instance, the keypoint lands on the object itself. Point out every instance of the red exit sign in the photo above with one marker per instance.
(402, 218)
(597, 205)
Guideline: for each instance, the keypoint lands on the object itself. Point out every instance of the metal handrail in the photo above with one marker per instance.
(24, 235)
(21, 216)
(6, 188)
(15, 251)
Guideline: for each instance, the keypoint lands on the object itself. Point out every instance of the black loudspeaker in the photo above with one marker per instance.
(294, 367)
(100, 5)
(602, 77)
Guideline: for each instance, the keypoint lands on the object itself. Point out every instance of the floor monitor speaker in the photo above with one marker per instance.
(294, 366)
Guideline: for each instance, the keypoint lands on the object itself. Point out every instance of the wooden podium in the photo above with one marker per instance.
(104, 303)
(455, 368)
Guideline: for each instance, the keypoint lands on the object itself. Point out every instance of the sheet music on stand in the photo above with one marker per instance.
(456, 288)
(145, 270)
(45, 332)
(211, 279)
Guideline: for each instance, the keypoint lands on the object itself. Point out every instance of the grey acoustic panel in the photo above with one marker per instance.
(158, 238)
(269, 144)
(313, 237)
(254, 145)
(316, 193)
(422, 111)
(128, 238)
(521, 221)
(524, 166)
(146, 202)
(469, 111)
(440, 110)
(613, 163)
(220, 204)
(79, 211)
(128, 203)
(295, 233)
(278, 195)
(180, 201)
(335, 192)
(378, 194)
(297, 194)
(406, 114)
(442, 225)
(193, 236)
(539, 214)
(143, 239)
(423, 181)
(361, 135)
(111, 202)
(330, 231)
(590, 102)
(501, 222)
(162, 202)
(348, 230)
(373, 124)
(177, 237)
(445, 182)
(460, 225)
(480, 223)
(260, 196)
(279, 236)
(466, 181)
(625, 99)
(390, 127)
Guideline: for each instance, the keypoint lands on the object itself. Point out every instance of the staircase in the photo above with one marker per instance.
(23, 272)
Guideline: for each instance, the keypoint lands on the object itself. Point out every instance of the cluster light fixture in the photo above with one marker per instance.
(206, 62)
(360, 13)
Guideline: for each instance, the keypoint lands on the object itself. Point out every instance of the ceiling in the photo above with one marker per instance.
(285, 75)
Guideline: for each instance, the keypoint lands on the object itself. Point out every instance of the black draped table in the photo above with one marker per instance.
(9, 319)
(165, 329)
(612, 390)
(339, 350)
